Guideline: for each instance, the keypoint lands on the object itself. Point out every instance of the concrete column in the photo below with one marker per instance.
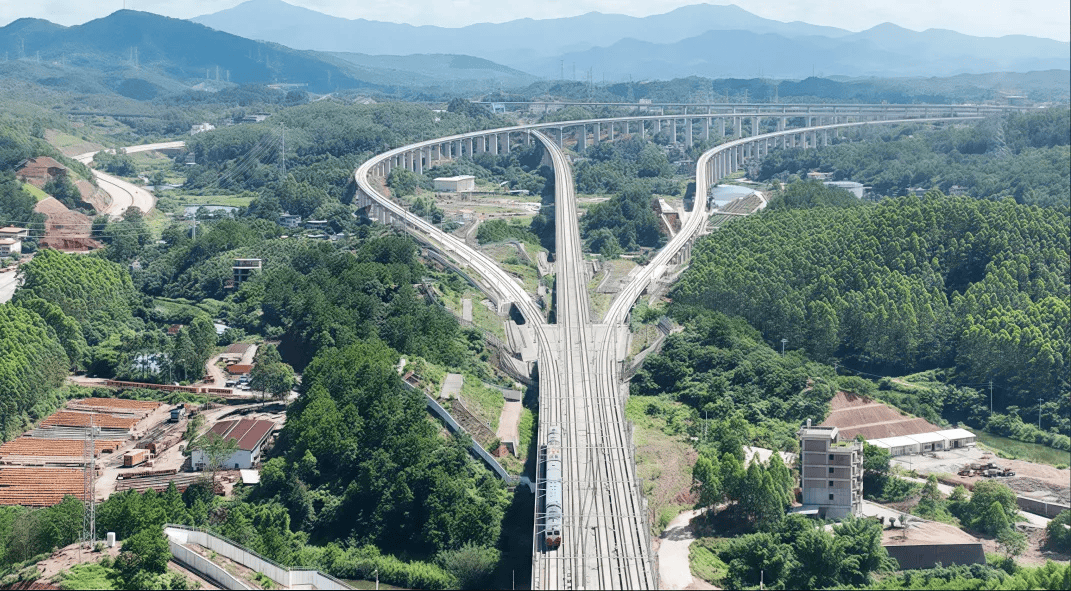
(420, 161)
(782, 123)
(721, 127)
(643, 129)
(688, 132)
(739, 124)
(706, 128)
(598, 133)
(561, 137)
(755, 126)
(582, 137)
(504, 143)
(657, 126)
(674, 130)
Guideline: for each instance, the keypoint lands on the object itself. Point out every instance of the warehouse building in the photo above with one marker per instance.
(250, 435)
(465, 183)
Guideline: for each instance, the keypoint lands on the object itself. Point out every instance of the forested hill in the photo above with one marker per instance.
(905, 285)
(168, 52)
(1024, 156)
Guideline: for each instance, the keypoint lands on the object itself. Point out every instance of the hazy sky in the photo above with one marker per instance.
(1041, 18)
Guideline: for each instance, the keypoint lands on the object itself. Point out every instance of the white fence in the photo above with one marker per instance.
(298, 578)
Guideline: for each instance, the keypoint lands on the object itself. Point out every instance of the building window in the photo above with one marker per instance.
(830, 469)
(830, 457)
(830, 483)
(831, 496)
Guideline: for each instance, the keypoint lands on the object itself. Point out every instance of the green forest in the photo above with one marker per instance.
(977, 287)
(1023, 156)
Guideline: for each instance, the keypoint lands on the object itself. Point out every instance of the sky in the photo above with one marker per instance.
(1039, 18)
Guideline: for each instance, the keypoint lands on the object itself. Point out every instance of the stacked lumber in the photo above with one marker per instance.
(39, 487)
(35, 447)
(160, 482)
(66, 418)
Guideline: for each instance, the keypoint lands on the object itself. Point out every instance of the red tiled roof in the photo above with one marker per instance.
(239, 348)
(238, 368)
(248, 432)
(258, 430)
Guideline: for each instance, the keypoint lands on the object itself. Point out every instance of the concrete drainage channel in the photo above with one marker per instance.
(180, 538)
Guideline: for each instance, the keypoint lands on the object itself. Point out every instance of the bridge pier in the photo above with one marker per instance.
(721, 127)
(688, 132)
(738, 122)
(706, 128)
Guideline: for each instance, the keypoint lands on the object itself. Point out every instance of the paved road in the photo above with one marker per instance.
(125, 195)
(8, 283)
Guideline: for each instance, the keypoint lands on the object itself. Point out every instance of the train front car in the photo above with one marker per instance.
(553, 529)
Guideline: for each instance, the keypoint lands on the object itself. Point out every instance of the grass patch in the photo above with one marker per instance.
(600, 302)
(704, 561)
(230, 200)
(181, 310)
(664, 455)
(666, 513)
(38, 194)
(526, 429)
(484, 402)
(1020, 450)
(86, 576)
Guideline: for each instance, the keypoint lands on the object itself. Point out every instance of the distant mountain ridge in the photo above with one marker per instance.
(702, 39)
(142, 55)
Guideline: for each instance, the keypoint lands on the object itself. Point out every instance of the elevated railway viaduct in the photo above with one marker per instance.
(606, 536)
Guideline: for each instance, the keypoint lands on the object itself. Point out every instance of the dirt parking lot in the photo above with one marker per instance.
(1040, 481)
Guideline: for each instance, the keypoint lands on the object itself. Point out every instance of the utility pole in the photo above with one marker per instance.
(89, 511)
(783, 341)
(1039, 414)
(990, 396)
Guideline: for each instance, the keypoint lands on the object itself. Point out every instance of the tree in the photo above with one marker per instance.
(472, 565)
(144, 556)
(992, 507)
(706, 480)
(1057, 533)
(216, 451)
(402, 181)
(274, 379)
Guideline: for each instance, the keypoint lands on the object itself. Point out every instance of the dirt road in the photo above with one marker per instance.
(674, 566)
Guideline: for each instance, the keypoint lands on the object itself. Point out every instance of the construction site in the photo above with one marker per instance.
(108, 445)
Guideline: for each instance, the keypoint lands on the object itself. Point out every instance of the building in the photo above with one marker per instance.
(831, 472)
(957, 438)
(10, 247)
(200, 127)
(239, 369)
(289, 220)
(853, 187)
(465, 183)
(14, 232)
(244, 269)
(38, 171)
(250, 435)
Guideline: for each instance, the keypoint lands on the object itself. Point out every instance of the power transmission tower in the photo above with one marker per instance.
(89, 496)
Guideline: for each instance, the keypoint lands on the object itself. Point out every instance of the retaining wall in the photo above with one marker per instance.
(298, 578)
(1042, 508)
(210, 570)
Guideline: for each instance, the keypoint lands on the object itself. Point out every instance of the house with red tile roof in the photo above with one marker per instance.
(250, 435)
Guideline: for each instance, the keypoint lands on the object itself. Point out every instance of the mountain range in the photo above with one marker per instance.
(142, 55)
(702, 39)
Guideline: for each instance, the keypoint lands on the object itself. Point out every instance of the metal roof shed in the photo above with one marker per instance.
(930, 441)
(958, 437)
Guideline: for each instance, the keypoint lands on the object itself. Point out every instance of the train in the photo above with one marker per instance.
(552, 530)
